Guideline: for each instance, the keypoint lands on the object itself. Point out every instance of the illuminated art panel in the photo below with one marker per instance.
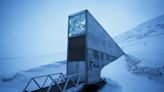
(77, 24)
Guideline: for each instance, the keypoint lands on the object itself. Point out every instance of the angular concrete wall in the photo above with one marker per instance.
(100, 48)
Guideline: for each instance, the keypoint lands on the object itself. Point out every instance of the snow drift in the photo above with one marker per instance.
(142, 68)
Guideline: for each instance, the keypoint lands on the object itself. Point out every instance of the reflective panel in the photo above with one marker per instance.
(77, 25)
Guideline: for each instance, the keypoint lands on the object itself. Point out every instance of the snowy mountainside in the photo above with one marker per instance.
(150, 28)
(145, 42)
(141, 69)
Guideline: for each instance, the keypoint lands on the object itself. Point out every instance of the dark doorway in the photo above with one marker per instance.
(76, 48)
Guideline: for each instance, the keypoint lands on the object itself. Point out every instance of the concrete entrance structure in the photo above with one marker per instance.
(89, 47)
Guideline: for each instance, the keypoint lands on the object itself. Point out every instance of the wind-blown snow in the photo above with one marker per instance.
(125, 81)
(142, 68)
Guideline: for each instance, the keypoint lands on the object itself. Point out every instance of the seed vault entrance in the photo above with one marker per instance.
(89, 47)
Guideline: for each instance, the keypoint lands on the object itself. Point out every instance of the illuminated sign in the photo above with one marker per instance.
(77, 25)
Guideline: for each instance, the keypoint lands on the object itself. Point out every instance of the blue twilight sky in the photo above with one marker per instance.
(39, 27)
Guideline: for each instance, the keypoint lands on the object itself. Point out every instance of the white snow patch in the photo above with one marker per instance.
(128, 82)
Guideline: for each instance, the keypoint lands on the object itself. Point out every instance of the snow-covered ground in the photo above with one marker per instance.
(120, 79)
(18, 82)
(18, 64)
(142, 68)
